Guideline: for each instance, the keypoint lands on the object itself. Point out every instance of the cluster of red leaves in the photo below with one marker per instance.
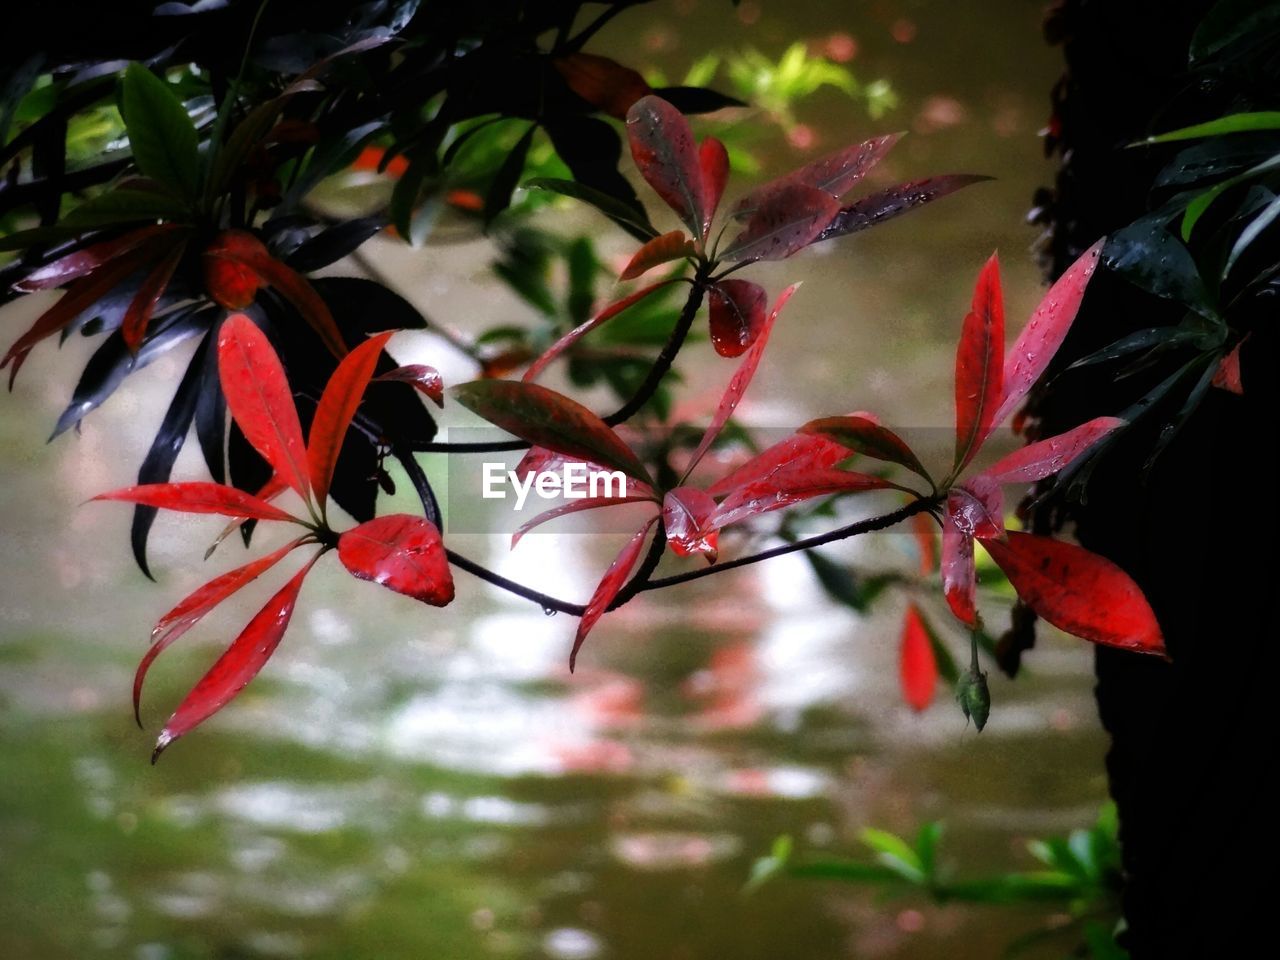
(403, 553)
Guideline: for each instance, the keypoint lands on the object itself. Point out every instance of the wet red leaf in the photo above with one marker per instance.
(134, 325)
(613, 580)
(917, 665)
(790, 485)
(788, 218)
(85, 261)
(241, 662)
(402, 552)
(576, 506)
(605, 84)
(737, 315)
(260, 400)
(713, 158)
(812, 451)
(1047, 457)
(426, 380)
(1080, 592)
(675, 245)
(980, 364)
(959, 575)
(687, 514)
(835, 174)
(860, 433)
(199, 497)
(1227, 376)
(337, 406)
(550, 419)
(977, 509)
(664, 151)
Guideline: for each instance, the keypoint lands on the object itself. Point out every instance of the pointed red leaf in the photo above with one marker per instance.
(404, 553)
(199, 497)
(195, 606)
(713, 158)
(663, 148)
(241, 662)
(75, 265)
(810, 451)
(792, 485)
(426, 380)
(577, 333)
(687, 517)
(613, 580)
(270, 490)
(551, 420)
(1227, 376)
(789, 217)
(835, 174)
(883, 205)
(917, 665)
(1047, 457)
(980, 364)
(675, 245)
(1080, 592)
(926, 540)
(959, 575)
(860, 433)
(260, 400)
(337, 406)
(134, 325)
(737, 315)
(575, 506)
(1045, 331)
(741, 379)
(605, 84)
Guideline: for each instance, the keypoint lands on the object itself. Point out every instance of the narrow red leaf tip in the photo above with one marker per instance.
(85, 261)
(241, 662)
(737, 314)
(580, 331)
(610, 584)
(1079, 592)
(959, 575)
(741, 379)
(195, 606)
(199, 497)
(138, 314)
(1045, 331)
(807, 451)
(1046, 457)
(338, 404)
(260, 400)
(977, 509)
(1227, 377)
(980, 364)
(404, 553)
(791, 485)
(664, 151)
(670, 246)
(687, 514)
(917, 665)
(789, 217)
(576, 506)
(713, 158)
(426, 380)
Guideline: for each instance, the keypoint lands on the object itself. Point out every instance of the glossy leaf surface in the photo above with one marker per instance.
(666, 155)
(675, 245)
(1046, 457)
(613, 581)
(402, 552)
(788, 218)
(199, 497)
(713, 158)
(737, 311)
(687, 517)
(980, 364)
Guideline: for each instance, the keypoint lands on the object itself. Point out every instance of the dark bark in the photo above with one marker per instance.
(1193, 741)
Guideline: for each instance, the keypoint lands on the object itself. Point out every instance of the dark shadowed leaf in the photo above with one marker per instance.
(861, 433)
(1046, 457)
(713, 158)
(697, 99)
(612, 582)
(737, 313)
(980, 364)
(591, 148)
(959, 575)
(426, 380)
(161, 135)
(331, 245)
(1150, 257)
(835, 174)
(404, 553)
(813, 452)
(787, 218)
(892, 202)
(507, 176)
(629, 215)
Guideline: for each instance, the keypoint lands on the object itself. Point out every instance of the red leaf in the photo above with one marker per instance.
(605, 84)
(741, 379)
(737, 315)
(1046, 457)
(230, 283)
(577, 333)
(977, 509)
(1045, 331)
(926, 540)
(918, 668)
(814, 452)
(199, 497)
(1080, 592)
(74, 265)
(404, 553)
(551, 420)
(835, 174)
(575, 506)
(259, 398)
(134, 325)
(791, 485)
(241, 662)
(713, 158)
(687, 516)
(876, 208)
(789, 218)
(959, 576)
(862, 434)
(198, 603)
(426, 380)
(979, 364)
(337, 406)
(670, 246)
(1227, 376)
(610, 584)
(662, 146)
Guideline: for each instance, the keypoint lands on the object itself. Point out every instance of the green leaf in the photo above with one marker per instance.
(1232, 123)
(629, 215)
(1200, 205)
(766, 868)
(1147, 255)
(105, 210)
(161, 135)
(1251, 233)
(895, 853)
